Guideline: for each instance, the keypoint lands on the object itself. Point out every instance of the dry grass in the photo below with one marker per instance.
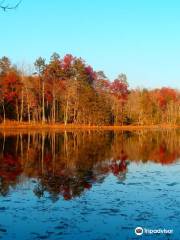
(14, 125)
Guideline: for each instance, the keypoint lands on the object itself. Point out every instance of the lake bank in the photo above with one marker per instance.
(58, 126)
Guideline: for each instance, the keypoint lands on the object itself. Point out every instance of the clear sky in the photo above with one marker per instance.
(138, 37)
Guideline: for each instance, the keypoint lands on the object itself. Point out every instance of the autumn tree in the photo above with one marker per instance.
(40, 67)
(119, 92)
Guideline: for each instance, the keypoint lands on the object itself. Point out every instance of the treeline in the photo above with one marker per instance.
(67, 90)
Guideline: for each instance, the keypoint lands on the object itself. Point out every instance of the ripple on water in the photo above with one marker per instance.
(110, 212)
(3, 208)
(3, 232)
(172, 184)
(134, 184)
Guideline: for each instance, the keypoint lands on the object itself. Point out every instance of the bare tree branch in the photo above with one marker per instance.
(5, 7)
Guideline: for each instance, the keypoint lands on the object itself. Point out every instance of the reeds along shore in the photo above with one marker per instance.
(68, 91)
(13, 125)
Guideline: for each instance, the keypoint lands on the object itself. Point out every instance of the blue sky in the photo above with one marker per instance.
(137, 37)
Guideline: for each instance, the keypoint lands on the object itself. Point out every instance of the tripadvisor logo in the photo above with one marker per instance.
(139, 231)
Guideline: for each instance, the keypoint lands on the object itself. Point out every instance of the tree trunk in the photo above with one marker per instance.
(22, 105)
(4, 113)
(53, 102)
(66, 112)
(43, 107)
(17, 111)
(29, 115)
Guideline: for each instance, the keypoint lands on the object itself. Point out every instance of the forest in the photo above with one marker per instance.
(68, 91)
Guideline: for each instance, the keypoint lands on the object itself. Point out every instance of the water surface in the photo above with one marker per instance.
(90, 185)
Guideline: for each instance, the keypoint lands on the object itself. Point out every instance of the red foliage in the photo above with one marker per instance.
(67, 61)
(10, 167)
(163, 156)
(102, 85)
(48, 158)
(11, 85)
(66, 193)
(10, 96)
(164, 95)
(48, 96)
(90, 72)
(119, 89)
(117, 167)
(87, 185)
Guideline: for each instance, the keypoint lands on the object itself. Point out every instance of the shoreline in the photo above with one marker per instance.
(58, 126)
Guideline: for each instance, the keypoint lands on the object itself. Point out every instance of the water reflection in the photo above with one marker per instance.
(69, 163)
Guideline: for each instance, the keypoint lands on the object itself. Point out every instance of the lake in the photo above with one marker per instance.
(89, 185)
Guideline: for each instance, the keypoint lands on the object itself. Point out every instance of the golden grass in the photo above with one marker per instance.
(14, 125)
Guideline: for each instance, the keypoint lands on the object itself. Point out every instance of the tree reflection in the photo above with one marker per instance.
(9, 171)
(69, 163)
